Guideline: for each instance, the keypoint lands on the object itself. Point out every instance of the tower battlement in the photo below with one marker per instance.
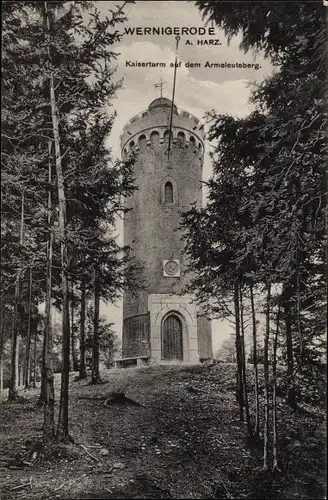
(155, 121)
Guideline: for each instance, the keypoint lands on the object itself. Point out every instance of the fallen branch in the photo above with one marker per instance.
(225, 488)
(17, 463)
(21, 486)
(60, 487)
(108, 472)
(90, 455)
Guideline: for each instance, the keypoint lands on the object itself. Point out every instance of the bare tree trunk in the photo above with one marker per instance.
(2, 343)
(82, 369)
(256, 377)
(245, 391)
(18, 370)
(289, 347)
(34, 359)
(42, 396)
(239, 373)
(19, 376)
(49, 392)
(23, 367)
(21, 371)
(266, 383)
(5, 322)
(274, 395)
(28, 338)
(95, 377)
(1, 377)
(62, 430)
(31, 363)
(74, 364)
(72, 328)
(298, 308)
(13, 393)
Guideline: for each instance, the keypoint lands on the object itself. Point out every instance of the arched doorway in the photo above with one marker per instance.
(172, 348)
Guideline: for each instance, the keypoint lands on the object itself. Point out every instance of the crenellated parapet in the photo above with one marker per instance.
(152, 126)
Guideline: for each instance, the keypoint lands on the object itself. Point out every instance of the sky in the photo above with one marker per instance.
(198, 89)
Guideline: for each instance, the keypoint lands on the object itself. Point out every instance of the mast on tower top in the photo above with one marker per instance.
(177, 38)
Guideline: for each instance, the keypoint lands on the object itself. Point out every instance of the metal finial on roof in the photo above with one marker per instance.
(160, 85)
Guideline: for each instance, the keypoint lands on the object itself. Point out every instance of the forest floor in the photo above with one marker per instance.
(184, 442)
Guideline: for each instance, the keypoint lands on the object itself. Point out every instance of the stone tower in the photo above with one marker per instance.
(158, 322)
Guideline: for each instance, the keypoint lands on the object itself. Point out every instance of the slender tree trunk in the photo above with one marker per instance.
(20, 345)
(13, 393)
(274, 396)
(298, 307)
(245, 391)
(74, 364)
(23, 367)
(266, 383)
(31, 363)
(82, 368)
(1, 378)
(95, 377)
(256, 377)
(49, 392)
(72, 327)
(28, 338)
(18, 370)
(2, 343)
(34, 359)
(239, 372)
(42, 396)
(62, 430)
(21, 373)
(289, 347)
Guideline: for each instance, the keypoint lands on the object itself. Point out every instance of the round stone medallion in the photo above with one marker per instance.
(171, 267)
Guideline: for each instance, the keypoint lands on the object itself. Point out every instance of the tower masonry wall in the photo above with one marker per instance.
(151, 227)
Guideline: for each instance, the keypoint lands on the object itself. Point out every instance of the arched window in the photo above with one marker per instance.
(167, 135)
(192, 140)
(181, 137)
(142, 141)
(154, 137)
(168, 192)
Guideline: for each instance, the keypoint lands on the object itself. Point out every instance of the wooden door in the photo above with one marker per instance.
(172, 348)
